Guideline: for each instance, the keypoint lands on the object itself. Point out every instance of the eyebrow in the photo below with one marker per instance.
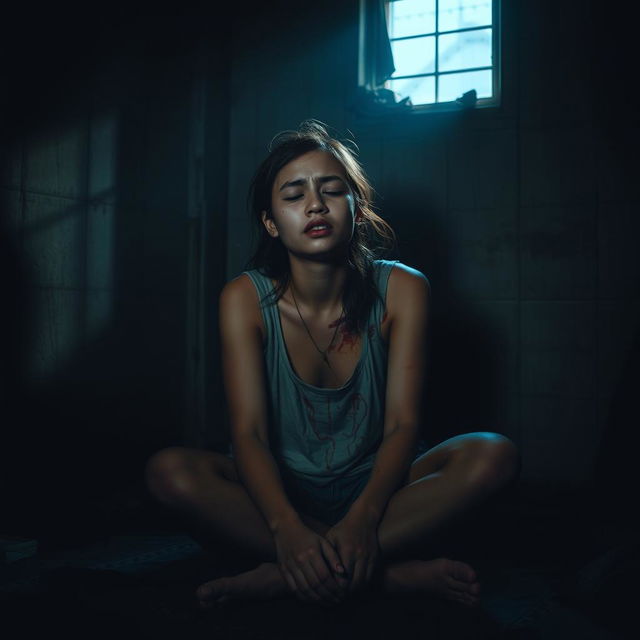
(301, 181)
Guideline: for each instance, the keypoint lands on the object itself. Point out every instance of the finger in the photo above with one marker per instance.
(291, 583)
(347, 575)
(338, 581)
(312, 575)
(328, 588)
(318, 575)
(333, 557)
(347, 564)
(370, 570)
(356, 580)
(302, 584)
(343, 583)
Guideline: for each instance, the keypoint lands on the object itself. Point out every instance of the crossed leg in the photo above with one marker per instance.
(442, 485)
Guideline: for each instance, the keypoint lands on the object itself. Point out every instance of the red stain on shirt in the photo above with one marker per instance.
(317, 428)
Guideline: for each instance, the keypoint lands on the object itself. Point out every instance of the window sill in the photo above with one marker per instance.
(400, 120)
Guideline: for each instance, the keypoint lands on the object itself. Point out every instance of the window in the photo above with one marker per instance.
(442, 50)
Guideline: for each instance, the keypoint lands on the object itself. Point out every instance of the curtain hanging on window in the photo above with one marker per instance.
(376, 63)
(378, 57)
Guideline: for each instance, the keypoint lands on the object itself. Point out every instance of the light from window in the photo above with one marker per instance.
(442, 49)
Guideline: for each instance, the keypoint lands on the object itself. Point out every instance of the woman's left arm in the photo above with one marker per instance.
(355, 535)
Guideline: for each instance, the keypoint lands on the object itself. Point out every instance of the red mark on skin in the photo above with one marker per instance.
(347, 339)
(384, 317)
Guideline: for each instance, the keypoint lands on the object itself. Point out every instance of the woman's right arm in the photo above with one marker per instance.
(244, 382)
(301, 552)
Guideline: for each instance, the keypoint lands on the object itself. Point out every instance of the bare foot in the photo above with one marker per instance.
(263, 582)
(443, 577)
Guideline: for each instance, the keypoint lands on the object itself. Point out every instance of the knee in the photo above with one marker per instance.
(494, 461)
(169, 474)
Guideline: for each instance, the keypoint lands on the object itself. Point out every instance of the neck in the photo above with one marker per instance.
(318, 286)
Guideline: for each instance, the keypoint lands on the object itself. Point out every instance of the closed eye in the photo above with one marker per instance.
(326, 193)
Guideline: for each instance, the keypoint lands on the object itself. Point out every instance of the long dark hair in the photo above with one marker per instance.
(372, 234)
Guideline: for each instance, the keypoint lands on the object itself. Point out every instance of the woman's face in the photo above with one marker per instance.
(313, 187)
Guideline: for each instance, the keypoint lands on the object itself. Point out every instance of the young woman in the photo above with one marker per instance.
(323, 350)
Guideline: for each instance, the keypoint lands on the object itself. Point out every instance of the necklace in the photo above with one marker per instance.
(338, 323)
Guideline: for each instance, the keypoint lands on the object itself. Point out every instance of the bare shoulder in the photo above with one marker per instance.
(239, 299)
(242, 360)
(406, 284)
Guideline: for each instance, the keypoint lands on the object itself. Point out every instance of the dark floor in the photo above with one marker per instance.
(543, 574)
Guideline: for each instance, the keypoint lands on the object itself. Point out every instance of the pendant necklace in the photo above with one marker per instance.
(338, 323)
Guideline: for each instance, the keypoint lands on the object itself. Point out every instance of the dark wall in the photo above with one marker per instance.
(524, 218)
(113, 177)
(124, 213)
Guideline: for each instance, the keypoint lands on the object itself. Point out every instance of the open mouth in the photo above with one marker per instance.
(319, 231)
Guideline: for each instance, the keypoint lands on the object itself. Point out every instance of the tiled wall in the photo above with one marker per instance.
(524, 219)
(96, 194)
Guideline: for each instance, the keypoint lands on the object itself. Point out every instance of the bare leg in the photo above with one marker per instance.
(205, 486)
(442, 484)
(442, 577)
(468, 469)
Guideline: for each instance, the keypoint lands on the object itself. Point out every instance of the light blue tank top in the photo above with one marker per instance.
(321, 434)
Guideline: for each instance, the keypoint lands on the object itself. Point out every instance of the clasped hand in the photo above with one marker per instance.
(356, 540)
(309, 564)
(326, 569)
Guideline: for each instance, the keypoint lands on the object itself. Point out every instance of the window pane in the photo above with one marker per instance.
(460, 14)
(414, 56)
(411, 17)
(420, 90)
(464, 50)
(452, 86)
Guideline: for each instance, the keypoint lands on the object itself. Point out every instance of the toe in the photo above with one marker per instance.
(463, 572)
(458, 586)
(209, 591)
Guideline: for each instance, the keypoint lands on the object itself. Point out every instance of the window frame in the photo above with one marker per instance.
(496, 50)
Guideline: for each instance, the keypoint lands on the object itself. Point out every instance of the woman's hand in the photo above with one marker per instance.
(308, 563)
(355, 538)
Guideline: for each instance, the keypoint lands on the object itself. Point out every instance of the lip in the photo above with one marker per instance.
(316, 221)
(316, 233)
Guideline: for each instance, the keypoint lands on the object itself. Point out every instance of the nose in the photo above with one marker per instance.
(316, 203)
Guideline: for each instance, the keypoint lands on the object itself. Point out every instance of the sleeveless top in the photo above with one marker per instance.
(320, 434)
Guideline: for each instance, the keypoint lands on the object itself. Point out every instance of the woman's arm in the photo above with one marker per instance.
(408, 304)
(245, 387)
(307, 561)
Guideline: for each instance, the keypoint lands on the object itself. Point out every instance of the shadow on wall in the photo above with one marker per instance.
(83, 409)
(462, 389)
(93, 280)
